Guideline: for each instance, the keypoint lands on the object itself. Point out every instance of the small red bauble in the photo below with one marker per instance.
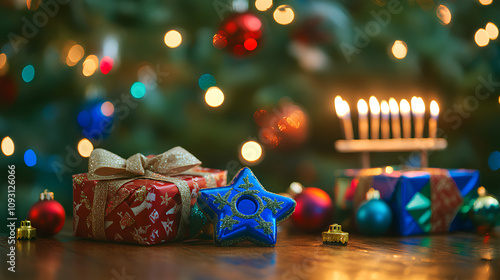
(284, 127)
(47, 215)
(240, 34)
(313, 211)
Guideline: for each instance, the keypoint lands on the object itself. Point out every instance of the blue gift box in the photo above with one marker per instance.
(423, 201)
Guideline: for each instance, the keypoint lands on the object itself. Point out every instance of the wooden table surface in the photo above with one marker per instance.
(450, 256)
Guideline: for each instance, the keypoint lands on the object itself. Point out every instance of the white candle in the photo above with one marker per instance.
(418, 111)
(433, 120)
(404, 107)
(384, 126)
(396, 127)
(339, 110)
(362, 119)
(343, 112)
(374, 117)
(347, 121)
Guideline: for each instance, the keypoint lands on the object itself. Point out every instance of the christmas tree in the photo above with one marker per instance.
(237, 83)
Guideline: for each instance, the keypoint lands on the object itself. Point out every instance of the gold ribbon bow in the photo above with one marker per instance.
(113, 171)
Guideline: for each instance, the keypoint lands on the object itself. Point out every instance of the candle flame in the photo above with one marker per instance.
(414, 101)
(362, 107)
(422, 104)
(338, 102)
(384, 107)
(404, 106)
(417, 105)
(393, 105)
(374, 106)
(341, 106)
(345, 106)
(434, 108)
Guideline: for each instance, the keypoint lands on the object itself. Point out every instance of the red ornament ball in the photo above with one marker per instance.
(47, 215)
(313, 211)
(240, 34)
(284, 127)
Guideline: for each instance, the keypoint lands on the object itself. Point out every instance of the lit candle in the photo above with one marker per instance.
(363, 119)
(343, 112)
(418, 111)
(384, 127)
(375, 117)
(404, 107)
(338, 103)
(396, 128)
(433, 120)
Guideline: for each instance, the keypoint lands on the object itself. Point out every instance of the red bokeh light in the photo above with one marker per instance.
(260, 117)
(252, 23)
(250, 44)
(220, 40)
(238, 50)
(106, 64)
(240, 34)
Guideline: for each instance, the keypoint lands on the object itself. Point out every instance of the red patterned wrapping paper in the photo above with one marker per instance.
(149, 215)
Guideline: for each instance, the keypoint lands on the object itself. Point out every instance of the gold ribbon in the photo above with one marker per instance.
(113, 171)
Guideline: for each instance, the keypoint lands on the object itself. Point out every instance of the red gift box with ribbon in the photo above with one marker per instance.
(141, 200)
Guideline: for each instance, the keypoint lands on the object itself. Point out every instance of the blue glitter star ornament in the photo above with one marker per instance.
(244, 210)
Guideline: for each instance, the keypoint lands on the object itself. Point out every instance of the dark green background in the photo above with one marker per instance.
(443, 63)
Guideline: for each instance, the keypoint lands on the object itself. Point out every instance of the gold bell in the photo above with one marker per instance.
(26, 231)
(335, 235)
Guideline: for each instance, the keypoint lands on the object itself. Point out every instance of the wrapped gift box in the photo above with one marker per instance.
(149, 214)
(428, 200)
(142, 200)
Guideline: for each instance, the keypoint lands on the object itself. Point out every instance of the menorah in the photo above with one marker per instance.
(380, 127)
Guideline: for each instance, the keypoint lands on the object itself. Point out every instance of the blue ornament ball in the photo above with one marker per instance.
(485, 213)
(374, 217)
